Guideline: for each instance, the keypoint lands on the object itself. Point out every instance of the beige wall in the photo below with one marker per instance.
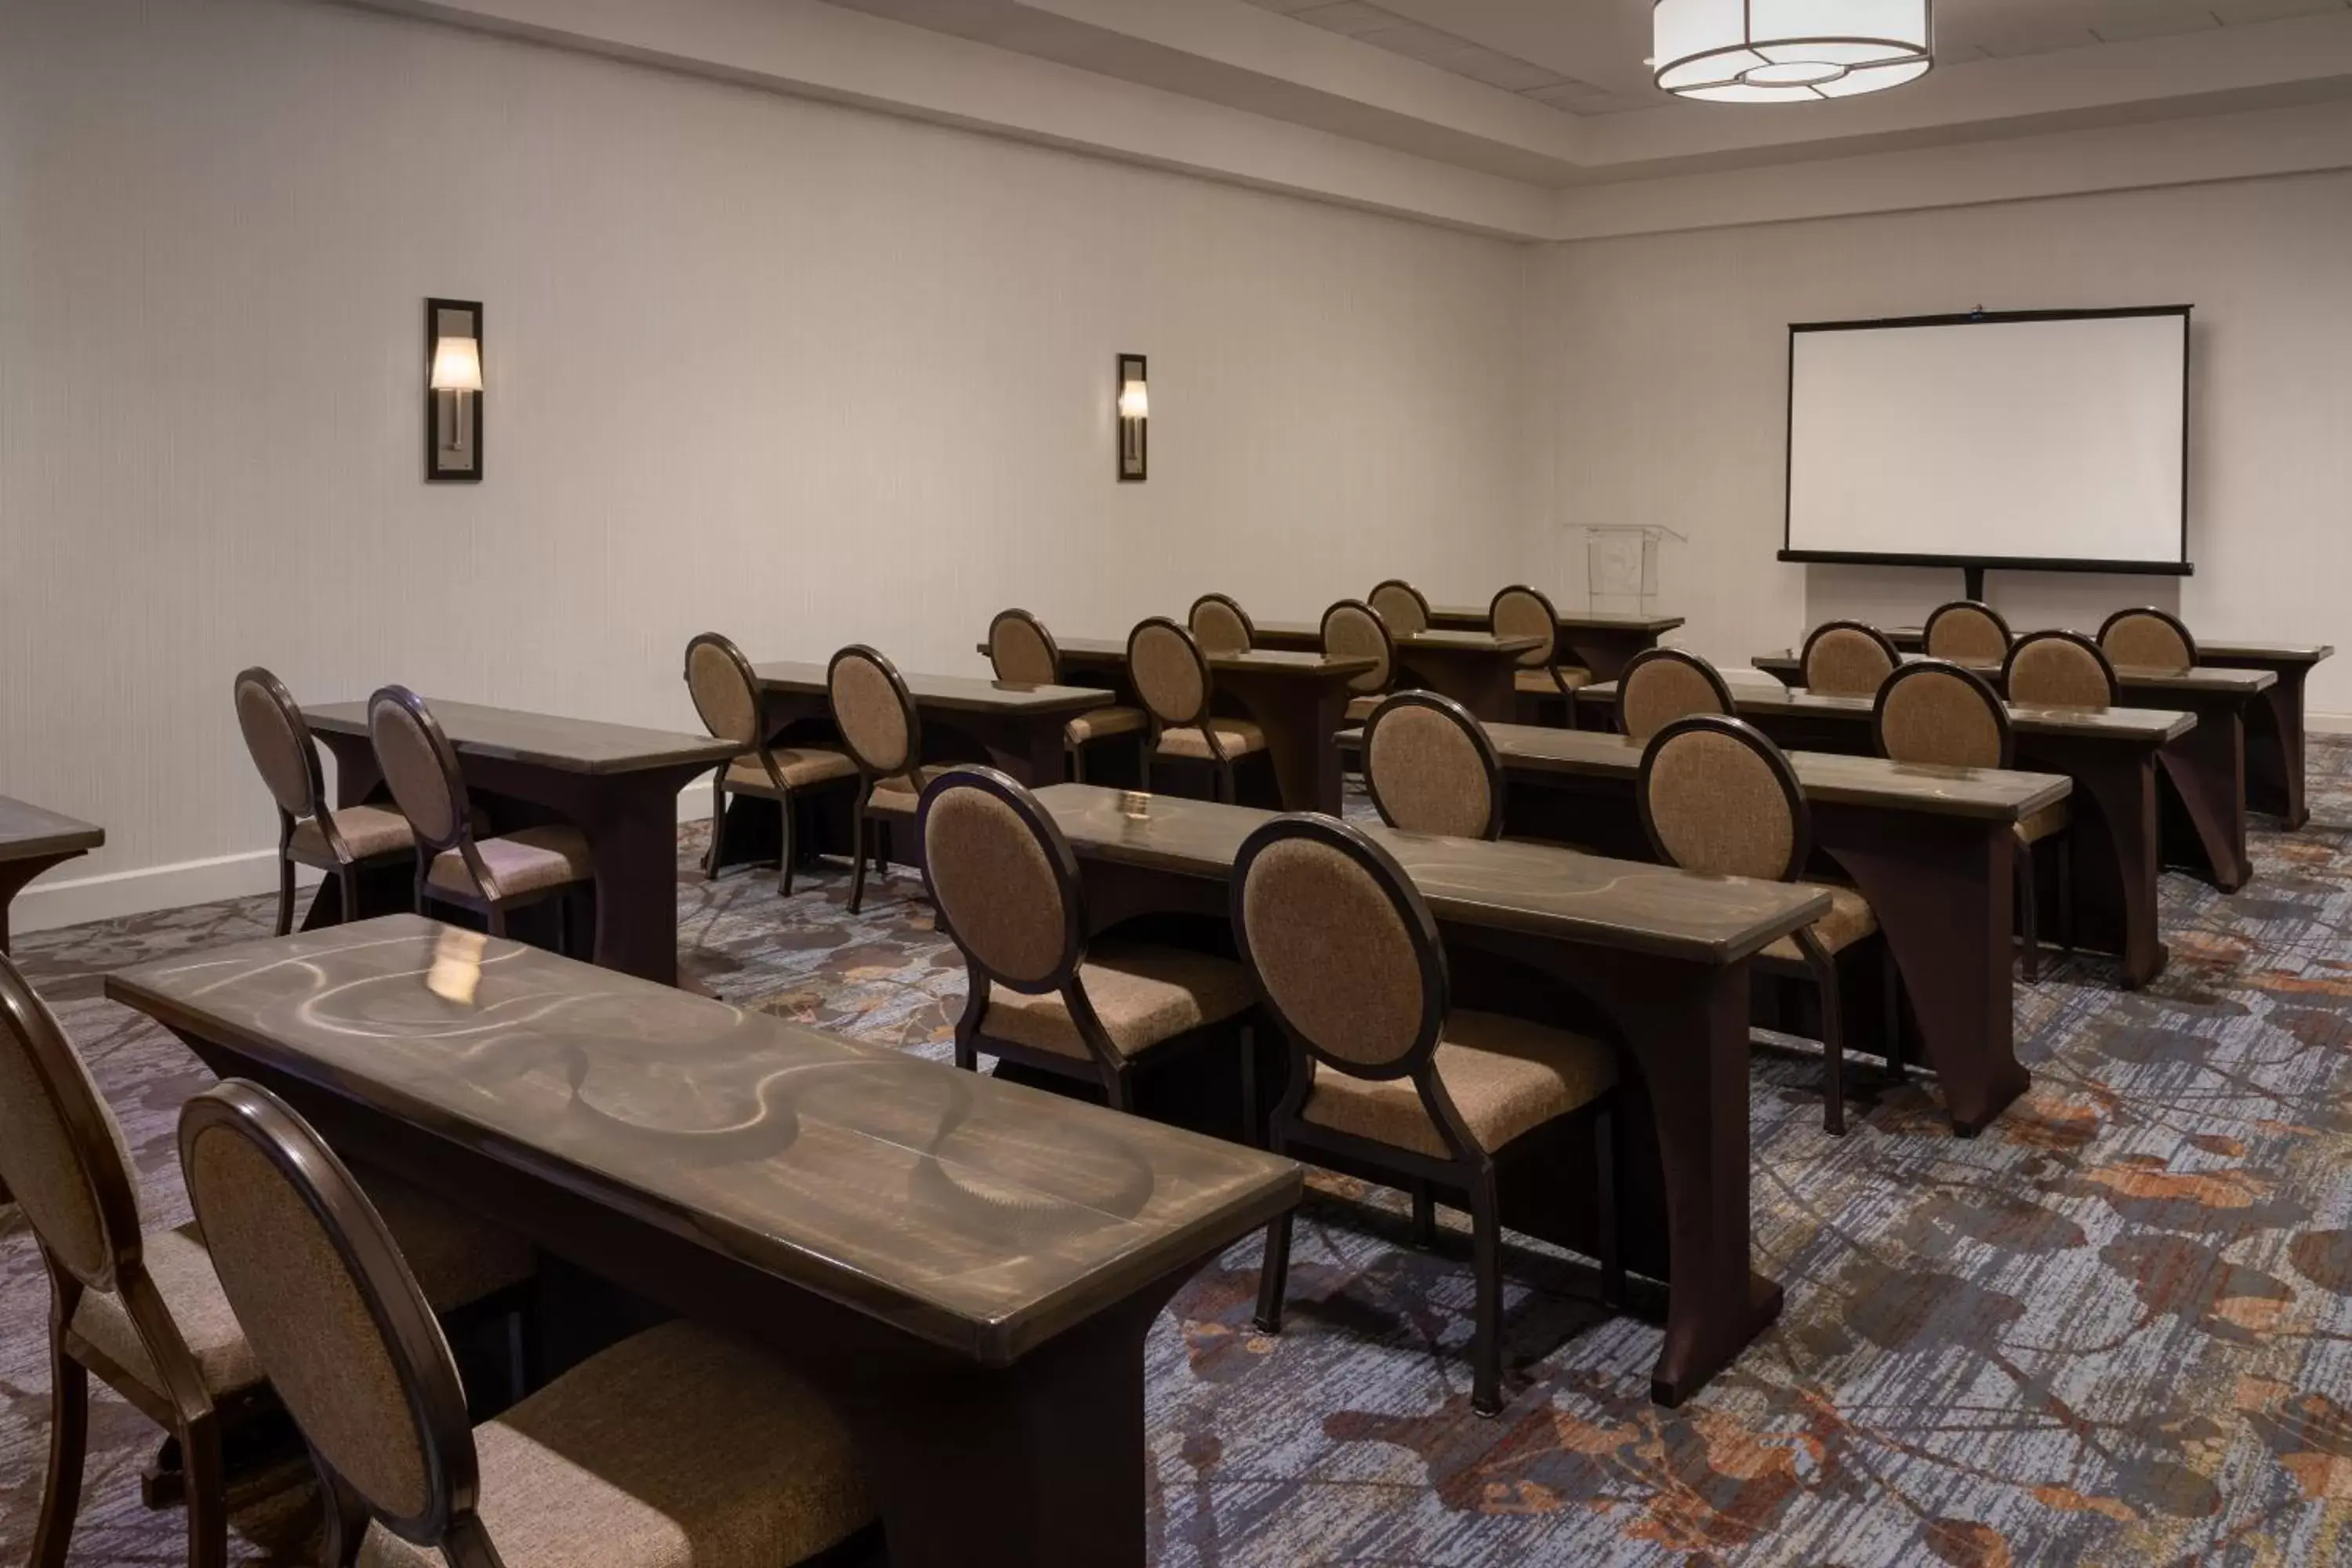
(797, 371)
(1675, 409)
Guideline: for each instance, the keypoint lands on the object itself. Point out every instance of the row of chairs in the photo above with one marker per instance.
(2052, 669)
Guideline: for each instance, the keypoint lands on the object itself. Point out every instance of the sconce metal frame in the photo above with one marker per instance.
(1134, 437)
(457, 413)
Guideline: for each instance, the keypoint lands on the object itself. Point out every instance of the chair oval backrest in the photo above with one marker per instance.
(420, 767)
(1934, 711)
(279, 740)
(2148, 638)
(1221, 626)
(1717, 798)
(1169, 673)
(725, 691)
(1660, 685)
(1967, 632)
(1003, 877)
(1520, 611)
(1847, 659)
(2059, 670)
(1022, 651)
(1401, 606)
(874, 711)
(1431, 768)
(62, 1154)
(1345, 949)
(330, 1310)
(1353, 629)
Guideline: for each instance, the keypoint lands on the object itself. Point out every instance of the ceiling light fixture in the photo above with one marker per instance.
(1790, 51)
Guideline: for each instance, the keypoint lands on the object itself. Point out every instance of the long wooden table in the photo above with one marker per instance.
(2206, 767)
(616, 783)
(2275, 727)
(1009, 725)
(2114, 847)
(34, 839)
(1600, 640)
(1475, 668)
(1651, 960)
(1299, 700)
(1929, 848)
(966, 1268)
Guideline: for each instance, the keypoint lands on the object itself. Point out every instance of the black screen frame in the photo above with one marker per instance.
(2184, 567)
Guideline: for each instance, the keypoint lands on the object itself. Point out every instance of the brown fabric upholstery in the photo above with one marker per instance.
(1541, 683)
(1660, 690)
(896, 796)
(1849, 921)
(1517, 613)
(2053, 672)
(41, 1164)
(2047, 822)
(1362, 708)
(1505, 1076)
(307, 1319)
(803, 767)
(2144, 641)
(368, 831)
(1018, 654)
(1101, 723)
(1935, 716)
(1334, 956)
(1965, 635)
(1235, 738)
(1218, 630)
(1718, 807)
(1401, 607)
(1350, 632)
(523, 862)
(996, 887)
(678, 1449)
(1166, 676)
(411, 770)
(1429, 775)
(1844, 662)
(1145, 997)
(729, 707)
(865, 706)
(276, 748)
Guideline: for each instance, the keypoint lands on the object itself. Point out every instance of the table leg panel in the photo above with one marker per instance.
(1299, 717)
(2206, 770)
(2114, 847)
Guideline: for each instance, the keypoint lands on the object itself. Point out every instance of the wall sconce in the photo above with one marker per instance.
(1134, 413)
(453, 390)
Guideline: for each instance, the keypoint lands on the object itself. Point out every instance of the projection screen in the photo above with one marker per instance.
(2056, 440)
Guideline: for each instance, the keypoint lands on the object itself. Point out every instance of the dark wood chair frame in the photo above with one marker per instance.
(1464, 720)
(1249, 626)
(342, 863)
(2188, 638)
(1388, 641)
(1420, 597)
(1712, 676)
(2009, 668)
(494, 905)
(1546, 657)
(786, 799)
(1226, 785)
(1927, 632)
(870, 774)
(1805, 655)
(1075, 749)
(1114, 1073)
(1469, 1170)
(1816, 962)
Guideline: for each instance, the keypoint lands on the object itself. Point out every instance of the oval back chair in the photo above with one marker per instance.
(1967, 632)
(883, 731)
(1430, 767)
(2059, 670)
(2148, 638)
(1660, 685)
(1353, 629)
(1847, 659)
(1401, 605)
(1221, 624)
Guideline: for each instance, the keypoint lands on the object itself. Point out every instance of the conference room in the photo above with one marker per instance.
(1046, 784)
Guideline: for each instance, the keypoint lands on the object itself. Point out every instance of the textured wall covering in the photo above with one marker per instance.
(797, 371)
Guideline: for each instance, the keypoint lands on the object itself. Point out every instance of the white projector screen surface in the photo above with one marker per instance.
(2056, 441)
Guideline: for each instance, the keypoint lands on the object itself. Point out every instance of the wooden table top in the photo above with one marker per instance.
(977, 1215)
(2251, 652)
(29, 832)
(964, 693)
(543, 740)
(1312, 631)
(2148, 726)
(1995, 793)
(1589, 620)
(2205, 677)
(1271, 661)
(1530, 888)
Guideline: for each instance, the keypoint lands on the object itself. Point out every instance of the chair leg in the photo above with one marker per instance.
(1143, 766)
(349, 877)
(347, 1518)
(1612, 1260)
(1274, 1274)
(857, 861)
(717, 828)
(2028, 917)
(787, 851)
(208, 1499)
(69, 1444)
(1486, 1266)
(1832, 1046)
(497, 920)
(1253, 1130)
(1077, 755)
(1424, 1215)
(285, 895)
(1890, 989)
(2064, 850)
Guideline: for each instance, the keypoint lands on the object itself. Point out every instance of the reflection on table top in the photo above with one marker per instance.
(542, 740)
(1273, 661)
(30, 832)
(947, 692)
(2208, 650)
(977, 1215)
(1437, 640)
(1577, 620)
(2149, 726)
(2132, 678)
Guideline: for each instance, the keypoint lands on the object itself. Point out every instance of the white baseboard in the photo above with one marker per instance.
(2327, 724)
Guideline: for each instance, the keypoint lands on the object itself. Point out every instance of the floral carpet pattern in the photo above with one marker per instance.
(2114, 1328)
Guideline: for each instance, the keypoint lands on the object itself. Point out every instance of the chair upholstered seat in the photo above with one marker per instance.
(1360, 708)
(803, 767)
(524, 862)
(1102, 723)
(1850, 920)
(1504, 1075)
(895, 796)
(1235, 737)
(1539, 683)
(368, 831)
(1144, 996)
(2050, 820)
(678, 1449)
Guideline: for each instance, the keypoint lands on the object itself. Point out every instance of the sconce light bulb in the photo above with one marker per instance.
(1134, 401)
(456, 366)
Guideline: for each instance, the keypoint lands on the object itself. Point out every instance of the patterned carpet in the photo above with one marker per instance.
(2116, 1329)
